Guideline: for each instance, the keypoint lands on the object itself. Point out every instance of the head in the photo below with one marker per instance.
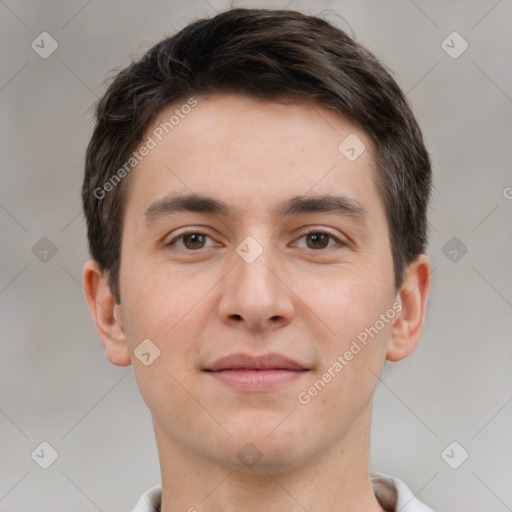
(286, 123)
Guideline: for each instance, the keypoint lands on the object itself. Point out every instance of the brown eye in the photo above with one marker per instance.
(193, 241)
(190, 241)
(318, 240)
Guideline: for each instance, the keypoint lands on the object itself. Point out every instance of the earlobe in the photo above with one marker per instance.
(106, 314)
(413, 294)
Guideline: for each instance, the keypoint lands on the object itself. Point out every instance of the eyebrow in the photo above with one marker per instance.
(296, 205)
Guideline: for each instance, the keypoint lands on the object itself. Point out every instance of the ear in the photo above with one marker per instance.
(413, 294)
(106, 314)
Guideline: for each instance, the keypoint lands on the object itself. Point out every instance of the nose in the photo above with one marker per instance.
(256, 294)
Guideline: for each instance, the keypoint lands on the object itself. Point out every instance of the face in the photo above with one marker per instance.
(250, 272)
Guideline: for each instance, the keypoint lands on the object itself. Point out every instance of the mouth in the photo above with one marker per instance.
(249, 373)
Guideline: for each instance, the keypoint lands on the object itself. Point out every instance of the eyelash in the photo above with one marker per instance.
(310, 231)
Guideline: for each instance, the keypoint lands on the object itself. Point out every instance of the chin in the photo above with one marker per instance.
(261, 448)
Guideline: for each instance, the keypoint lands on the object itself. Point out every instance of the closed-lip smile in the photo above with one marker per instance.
(256, 373)
(247, 362)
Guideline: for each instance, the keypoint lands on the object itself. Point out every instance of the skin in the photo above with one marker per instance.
(198, 301)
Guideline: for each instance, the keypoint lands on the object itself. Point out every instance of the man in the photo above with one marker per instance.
(256, 193)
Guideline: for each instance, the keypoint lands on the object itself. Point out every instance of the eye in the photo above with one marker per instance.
(316, 239)
(192, 240)
(319, 239)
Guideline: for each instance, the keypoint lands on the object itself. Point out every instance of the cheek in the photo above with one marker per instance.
(168, 308)
(351, 337)
(160, 298)
(154, 311)
(340, 308)
(345, 384)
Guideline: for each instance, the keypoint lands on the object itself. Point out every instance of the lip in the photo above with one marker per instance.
(247, 362)
(249, 373)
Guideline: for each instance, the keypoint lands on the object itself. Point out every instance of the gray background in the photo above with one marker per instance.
(56, 385)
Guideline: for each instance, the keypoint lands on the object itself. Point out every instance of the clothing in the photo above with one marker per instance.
(392, 494)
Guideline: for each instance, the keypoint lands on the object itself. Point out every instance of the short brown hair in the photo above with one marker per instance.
(267, 54)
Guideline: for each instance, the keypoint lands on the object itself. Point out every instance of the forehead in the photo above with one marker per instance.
(252, 154)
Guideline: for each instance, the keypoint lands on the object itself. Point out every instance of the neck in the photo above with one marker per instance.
(335, 481)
